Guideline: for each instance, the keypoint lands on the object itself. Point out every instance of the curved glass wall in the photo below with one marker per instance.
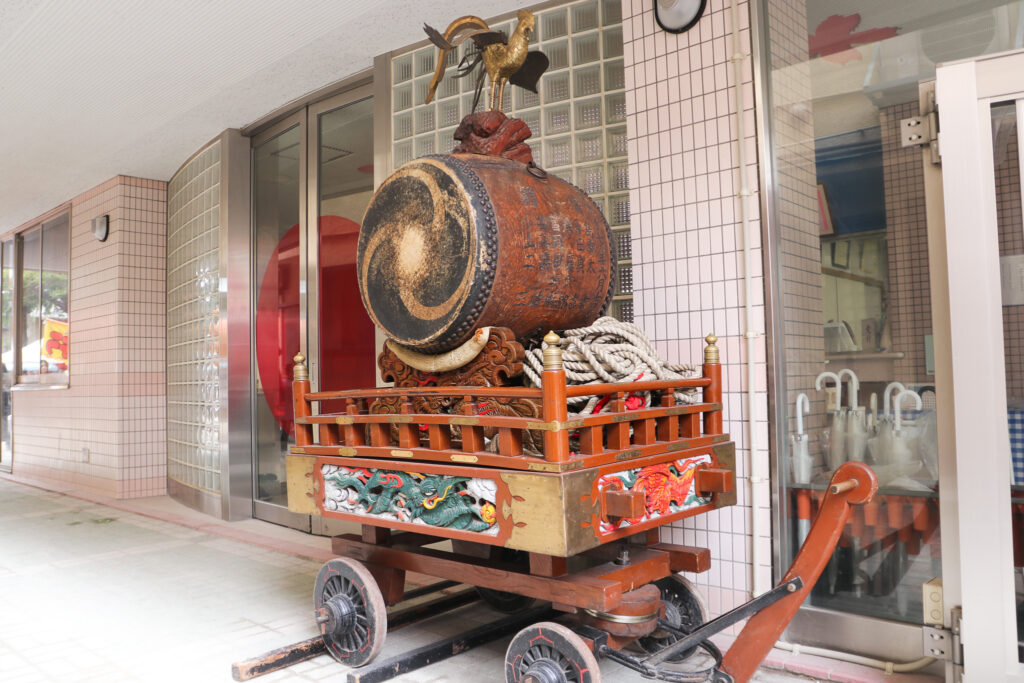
(193, 325)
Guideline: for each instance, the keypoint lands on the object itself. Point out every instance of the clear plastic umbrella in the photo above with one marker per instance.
(880, 446)
(904, 439)
(802, 464)
(800, 456)
(835, 452)
(856, 442)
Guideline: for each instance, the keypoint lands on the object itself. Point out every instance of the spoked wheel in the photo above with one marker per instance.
(550, 653)
(684, 609)
(350, 611)
(509, 603)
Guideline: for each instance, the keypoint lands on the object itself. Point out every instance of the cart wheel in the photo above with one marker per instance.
(550, 653)
(509, 603)
(350, 610)
(684, 609)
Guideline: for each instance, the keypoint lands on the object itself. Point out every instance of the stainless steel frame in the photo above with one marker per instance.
(235, 350)
(261, 509)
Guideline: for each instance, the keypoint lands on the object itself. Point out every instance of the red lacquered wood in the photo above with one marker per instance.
(554, 409)
(764, 628)
(303, 433)
(713, 394)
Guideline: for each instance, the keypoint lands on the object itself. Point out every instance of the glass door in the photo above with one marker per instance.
(313, 176)
(341, 335)
(278, 216)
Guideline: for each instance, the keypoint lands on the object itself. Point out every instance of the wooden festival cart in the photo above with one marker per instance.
(573, 520)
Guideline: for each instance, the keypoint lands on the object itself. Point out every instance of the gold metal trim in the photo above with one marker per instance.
(458, 457)
(555, 425)
(400, 419)
(711, 350)
(298, 449)
(555, 466)
(347, 452)
(678, 410)
(679, 445)
(468, 421)
(345, 420)
(552, 353)
(628, 455)
(402, 454)
(299, 372)
(624, 417)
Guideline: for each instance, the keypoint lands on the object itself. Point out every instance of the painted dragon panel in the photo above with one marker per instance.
(668, 488)
(463, 503)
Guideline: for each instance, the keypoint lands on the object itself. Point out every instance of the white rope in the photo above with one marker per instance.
(609, 351)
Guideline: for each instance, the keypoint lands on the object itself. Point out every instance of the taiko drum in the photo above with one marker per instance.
(452, 243)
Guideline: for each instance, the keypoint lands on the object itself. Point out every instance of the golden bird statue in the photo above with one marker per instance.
(505, 59)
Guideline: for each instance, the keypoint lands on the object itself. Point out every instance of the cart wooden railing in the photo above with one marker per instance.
(613, 436)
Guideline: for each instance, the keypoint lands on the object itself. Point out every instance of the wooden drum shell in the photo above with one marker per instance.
(452, 243)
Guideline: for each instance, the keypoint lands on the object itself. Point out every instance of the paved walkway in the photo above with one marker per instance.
(116, 592)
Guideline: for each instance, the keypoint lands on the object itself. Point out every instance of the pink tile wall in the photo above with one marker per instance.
(687, 242)
(115, 404)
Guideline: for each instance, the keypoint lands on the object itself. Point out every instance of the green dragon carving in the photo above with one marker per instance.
(437, 500)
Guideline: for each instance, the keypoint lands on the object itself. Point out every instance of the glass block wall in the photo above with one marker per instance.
(578, 119)
(193, 375)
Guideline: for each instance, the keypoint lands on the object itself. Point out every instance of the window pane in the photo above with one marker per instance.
(55, 351)
(6, 350)
(345, 171)
(30, 319)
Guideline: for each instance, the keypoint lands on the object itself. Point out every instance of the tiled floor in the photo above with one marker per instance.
(151, 591)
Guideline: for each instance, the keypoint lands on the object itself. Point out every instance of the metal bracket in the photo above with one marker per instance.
(922, 130)
(944, 643)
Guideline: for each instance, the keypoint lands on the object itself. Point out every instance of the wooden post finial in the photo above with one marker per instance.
(552, 354)
(299, 372)
(711, 350)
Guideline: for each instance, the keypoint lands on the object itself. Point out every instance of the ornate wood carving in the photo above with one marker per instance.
(496, 365)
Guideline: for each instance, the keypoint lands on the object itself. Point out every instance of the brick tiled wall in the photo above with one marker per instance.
(687, 242)
(114, 406)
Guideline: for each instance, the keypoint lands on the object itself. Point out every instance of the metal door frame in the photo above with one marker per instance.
(974, 447)
(319, 525)
(307, 119)
(271, 512)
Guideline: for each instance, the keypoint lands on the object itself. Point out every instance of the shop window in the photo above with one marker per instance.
(852, 287)
(41, 320)
(578, 119)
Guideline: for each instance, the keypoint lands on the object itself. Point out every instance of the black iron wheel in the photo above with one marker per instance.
(510, 603)
(684, 610)
(350, 611)
(547, 652)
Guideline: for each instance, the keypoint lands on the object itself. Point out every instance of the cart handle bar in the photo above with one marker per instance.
(719, 624)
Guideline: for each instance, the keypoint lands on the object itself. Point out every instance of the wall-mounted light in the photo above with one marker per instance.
(678, 16)
(101, 227)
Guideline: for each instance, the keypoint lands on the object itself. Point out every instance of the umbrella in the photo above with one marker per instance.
(856, 431)
(800, 456)
(837, 433)
(802, 463)
(904, 440)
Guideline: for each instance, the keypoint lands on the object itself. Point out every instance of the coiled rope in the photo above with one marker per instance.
(609, 351)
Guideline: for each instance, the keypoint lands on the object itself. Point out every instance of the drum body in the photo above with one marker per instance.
(452, 243)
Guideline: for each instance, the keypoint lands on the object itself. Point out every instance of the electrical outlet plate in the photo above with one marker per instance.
(932, 601)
